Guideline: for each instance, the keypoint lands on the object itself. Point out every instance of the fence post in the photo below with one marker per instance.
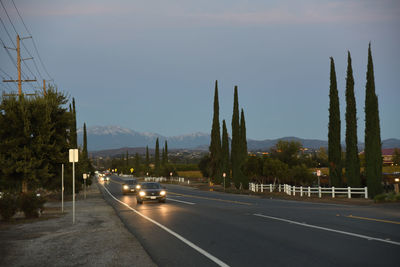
(279, 188)
(309, 192)
(256, 187)
(262, 188)
(294, 190)
(319, 191)
(348, 192)
(301, 191)
(333, 192)
(366, 192)
(270, 188)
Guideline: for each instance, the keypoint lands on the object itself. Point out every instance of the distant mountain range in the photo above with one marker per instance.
(116, 137)
(111, 137)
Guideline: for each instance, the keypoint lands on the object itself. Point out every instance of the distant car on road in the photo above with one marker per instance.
(130, 186)
(105, 178)
(151, 191)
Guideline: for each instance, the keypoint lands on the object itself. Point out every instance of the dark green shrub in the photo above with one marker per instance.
(391, 196)
(398, 197)
(380, 198)
(31, 204)
(8, 206)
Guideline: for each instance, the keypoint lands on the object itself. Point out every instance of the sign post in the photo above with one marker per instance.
(73, 157)
(62, 188)
(318, 174)
(224, 175)
(84, 181)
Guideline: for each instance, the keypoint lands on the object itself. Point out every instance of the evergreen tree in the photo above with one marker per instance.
(137, 164)
(243, 136)
(163, 161)
(352, 160)
(236, 152)
(157, 158)
(373, 146)
(334, 146)
(215, 144)
(33, 141)
(74, 135)
(166, 151)
(225, 155)
(243, 148)
(84, 150)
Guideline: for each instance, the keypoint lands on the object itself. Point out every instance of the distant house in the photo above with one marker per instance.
(387, 155)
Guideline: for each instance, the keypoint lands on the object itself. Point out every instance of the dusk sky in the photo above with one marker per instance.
(151, 65)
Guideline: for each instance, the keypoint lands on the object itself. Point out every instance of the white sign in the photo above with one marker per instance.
(318, 172)
(84, 176)
(73, 155)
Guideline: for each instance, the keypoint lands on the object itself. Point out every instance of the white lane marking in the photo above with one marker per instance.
(184, 240)
(328, 229)
(185, 202)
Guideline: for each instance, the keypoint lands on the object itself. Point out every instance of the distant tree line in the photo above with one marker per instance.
(35, 136)
(149, 166)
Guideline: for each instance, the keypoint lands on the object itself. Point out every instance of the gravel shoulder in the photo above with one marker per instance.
(98, 237)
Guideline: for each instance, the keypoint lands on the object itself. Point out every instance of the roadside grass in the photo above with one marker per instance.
(190, 174)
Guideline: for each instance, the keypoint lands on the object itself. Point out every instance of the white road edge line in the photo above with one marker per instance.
(184, 240)
(185, 202)
(330, 230)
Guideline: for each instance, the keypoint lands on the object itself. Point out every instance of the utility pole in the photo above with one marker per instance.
(44, 87)
(19, 81)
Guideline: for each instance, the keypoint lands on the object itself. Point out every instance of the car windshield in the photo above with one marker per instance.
(131, 182)
(151, 186)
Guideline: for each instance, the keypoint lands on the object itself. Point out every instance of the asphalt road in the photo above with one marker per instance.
(198, 228)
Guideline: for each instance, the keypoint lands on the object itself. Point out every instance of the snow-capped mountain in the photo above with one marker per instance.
(108, 137)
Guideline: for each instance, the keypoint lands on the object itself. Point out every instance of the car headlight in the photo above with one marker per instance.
(138, 186)
(162, 193)
(142, 193)
(126, 187)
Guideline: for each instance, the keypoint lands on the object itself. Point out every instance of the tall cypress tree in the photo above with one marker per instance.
(235, 145)
(225, 155)
(157, 158)
(84, 150)
(373, 146)
(334, 146)
(163, 157)
(243, 136)
(243, 147)
(74, 136)
(137, 164)
(84, 162)
(352, 160)
(215, 144)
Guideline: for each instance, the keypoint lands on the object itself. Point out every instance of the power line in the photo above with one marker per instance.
(16, 32)
(33, 41)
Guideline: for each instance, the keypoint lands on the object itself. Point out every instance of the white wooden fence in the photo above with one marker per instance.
(164, 179)
(307, 190)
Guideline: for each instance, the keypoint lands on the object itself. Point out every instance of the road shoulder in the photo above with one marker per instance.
(98, 238)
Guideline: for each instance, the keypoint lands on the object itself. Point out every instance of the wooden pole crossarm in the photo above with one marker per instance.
(14, 81)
